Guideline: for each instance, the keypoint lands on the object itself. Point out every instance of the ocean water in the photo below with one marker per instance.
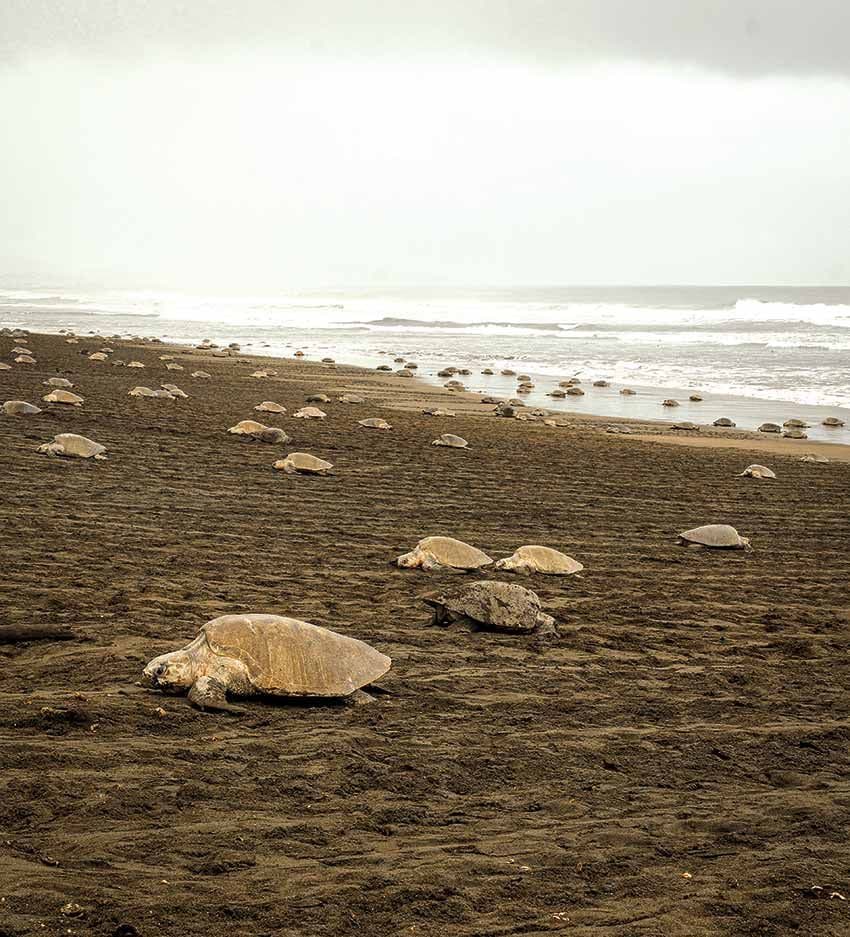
(754, 353)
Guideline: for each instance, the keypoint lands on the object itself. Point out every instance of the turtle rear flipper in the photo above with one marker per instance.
(210, 695)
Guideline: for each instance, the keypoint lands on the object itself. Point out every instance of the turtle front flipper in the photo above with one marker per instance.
(210, 694)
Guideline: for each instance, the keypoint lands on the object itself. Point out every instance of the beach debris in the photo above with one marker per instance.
(269, 406)
(72, 446)
(813, 457)
(351, 398)
(717, 536)
(757, 471)
(435, 552)
(302, 463)
(63, 396)
(374, 422)
(20, 408)
(310, 413)
(723, 421)
(832, 421)
(669, 402)
(533, 558)
(175, 391)
(259, 431)
(267, 655)
(450, 440)
(770, 428)
(500, 606)
(58, 382)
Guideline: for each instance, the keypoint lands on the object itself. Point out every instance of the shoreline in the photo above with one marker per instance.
(426, 392)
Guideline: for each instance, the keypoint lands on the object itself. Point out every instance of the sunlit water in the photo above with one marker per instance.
(755, 354)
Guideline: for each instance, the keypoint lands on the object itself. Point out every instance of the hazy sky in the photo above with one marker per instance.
(269, 143)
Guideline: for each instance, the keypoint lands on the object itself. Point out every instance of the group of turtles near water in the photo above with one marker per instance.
(272, 655)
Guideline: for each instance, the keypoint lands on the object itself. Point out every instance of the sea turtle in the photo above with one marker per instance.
(795, 424)
(318, 398)
(310, 413)
(267, 655)
(149, 392)
(719, 536)
(302, 463)
(812, 457)
(448, 439)
(404, 372)
(351, 398)
(100, 356)
(374, 422)
(508, 373)
(132, 364)
(383, 367)
(684, 424)
(723, 421)
(757, 471)
(20, 408)
(770, 428)
(63, 396)
(58, 382)
(435, 552)
(173, 366)
(203, 374)
(175, 391)
(4, 366)
(161, 357)
(601, 384)
(500, 606)
(18, 350)
(695, 398)
(536, 559)
(794, 433)
(73, 446)
(491, 400)
(574, 391)
(617, 428)
(328, 361)
(269, 406)
(258, 431)
(437, 411)
(669, 402)
(260, 374)
(557, 392)
(832, 421)
(506, 410)
(487, 371)
(412, 366)
(627, 392)
(299, 354)
(25, 359)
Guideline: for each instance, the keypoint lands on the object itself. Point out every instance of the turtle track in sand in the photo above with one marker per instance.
(692, 718)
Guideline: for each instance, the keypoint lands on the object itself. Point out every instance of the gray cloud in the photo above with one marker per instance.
(740, 37)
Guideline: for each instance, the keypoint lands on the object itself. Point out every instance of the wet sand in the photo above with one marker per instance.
(675, 764)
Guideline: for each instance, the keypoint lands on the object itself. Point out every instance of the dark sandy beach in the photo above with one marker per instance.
(674, 765)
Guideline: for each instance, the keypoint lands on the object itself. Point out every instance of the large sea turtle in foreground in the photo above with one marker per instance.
(717, 536)
(435, 552)
(302, 463)
(267, 655)
(73, 446)
(536, 559)
(501, 606)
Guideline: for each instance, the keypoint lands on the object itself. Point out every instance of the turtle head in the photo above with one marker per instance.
(409, 560)
(171, 673)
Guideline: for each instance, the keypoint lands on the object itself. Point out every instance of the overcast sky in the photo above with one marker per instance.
(268, 143)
